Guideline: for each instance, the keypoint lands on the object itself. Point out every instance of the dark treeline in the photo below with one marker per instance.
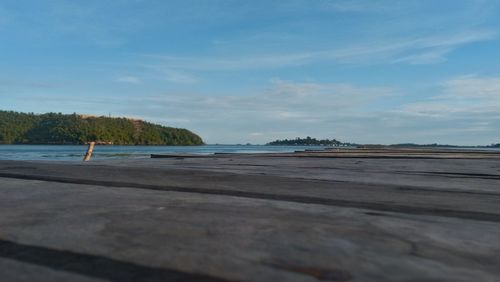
(308, 141)
(435, 145)
(57, 128)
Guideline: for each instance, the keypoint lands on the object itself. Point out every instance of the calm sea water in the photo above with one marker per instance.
(74, 153)
(69, 152)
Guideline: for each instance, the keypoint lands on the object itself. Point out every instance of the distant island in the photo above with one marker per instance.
(57, 128)
(435, 145)
(308, 141)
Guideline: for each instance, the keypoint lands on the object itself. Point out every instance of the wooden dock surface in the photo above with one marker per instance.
(281, 217)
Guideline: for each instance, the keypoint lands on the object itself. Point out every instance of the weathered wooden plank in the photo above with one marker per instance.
(251, 219)
(387, 153)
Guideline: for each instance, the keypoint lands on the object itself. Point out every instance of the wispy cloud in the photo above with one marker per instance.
(432, 56)
(412, 50)
(407, 49)
(179, 76)
(462, 97)
(208, 65)
(129, 79)
(284, 106)
(473, 86)
(466, 110)
(242, 62)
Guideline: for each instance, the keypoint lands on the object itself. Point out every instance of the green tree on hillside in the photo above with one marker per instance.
(57, 128)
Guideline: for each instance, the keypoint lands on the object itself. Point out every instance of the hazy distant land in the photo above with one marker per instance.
(308, 141)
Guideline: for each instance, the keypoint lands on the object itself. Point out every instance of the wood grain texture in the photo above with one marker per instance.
(251, 218)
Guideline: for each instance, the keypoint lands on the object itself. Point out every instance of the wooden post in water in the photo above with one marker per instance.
(89, 151)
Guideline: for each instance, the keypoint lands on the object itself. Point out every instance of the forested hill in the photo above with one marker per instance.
(57, 128)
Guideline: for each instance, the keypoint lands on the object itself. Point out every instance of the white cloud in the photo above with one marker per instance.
(179, 76)
(289, 109)
(286, 108)
(475, 87)
(283, 100)
(461, 96)
(470, 99)
(319, 96)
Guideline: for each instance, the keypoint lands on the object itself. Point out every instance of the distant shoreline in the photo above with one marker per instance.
(97, 144)
(274, 145)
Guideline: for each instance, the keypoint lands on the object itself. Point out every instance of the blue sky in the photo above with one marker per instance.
(252, 71)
